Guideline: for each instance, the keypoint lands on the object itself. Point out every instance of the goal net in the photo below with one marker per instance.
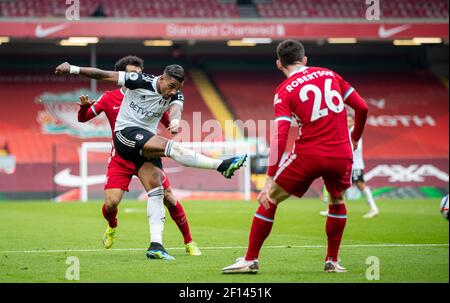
(186, 182)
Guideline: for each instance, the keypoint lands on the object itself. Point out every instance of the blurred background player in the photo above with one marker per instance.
(357, 176)
(315, 97)
(121, 171)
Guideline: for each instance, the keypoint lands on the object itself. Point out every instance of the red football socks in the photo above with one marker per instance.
(337, 217)
(110, 216)
(178, 215)
(261, 227)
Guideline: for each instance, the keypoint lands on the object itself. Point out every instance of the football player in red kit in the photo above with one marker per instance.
(121, 171)
(315, 97)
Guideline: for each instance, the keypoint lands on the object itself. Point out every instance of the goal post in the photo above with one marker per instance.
(86, 148)
(213, 149)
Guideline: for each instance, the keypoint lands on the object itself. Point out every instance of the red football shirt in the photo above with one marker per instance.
(315, 97)
(109, 103)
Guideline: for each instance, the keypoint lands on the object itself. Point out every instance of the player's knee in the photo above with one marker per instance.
(360, 185)
(150, 176)
(154, 146)
(340, 198)
(112, 201)
(155, 181)
(278, 195)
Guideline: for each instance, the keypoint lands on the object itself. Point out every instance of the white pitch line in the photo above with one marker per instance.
(134, 210)
(222, 247)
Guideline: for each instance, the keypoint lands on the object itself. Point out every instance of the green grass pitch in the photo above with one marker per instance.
(37, 237)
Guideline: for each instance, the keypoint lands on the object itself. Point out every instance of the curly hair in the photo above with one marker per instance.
(122, 63)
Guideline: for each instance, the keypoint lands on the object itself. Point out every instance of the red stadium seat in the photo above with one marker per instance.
(352, 9)
(124, 9)
(217, 9)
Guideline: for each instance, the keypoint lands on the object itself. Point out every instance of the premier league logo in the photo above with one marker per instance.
(134, 76)
(139, 137)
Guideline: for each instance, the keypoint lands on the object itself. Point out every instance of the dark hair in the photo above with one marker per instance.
(290, 51)
(175, 71)
(122, 63)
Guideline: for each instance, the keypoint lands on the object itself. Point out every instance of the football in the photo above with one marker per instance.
(444, 207)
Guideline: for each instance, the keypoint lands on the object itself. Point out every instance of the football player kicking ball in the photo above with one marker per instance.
(120, 171)
(145, 101)
(358, 177)
(315, 97)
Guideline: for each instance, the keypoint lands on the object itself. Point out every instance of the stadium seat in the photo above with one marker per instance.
(351, 9)
(215, 9)
(123, 9)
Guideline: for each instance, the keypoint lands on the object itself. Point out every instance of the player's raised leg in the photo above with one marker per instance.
(150, 177)
(109, 210)
(260, 230)
(158, 146)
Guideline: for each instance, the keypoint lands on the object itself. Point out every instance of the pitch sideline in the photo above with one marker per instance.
(223, 247)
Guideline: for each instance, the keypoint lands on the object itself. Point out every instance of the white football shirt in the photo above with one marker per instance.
(358, 162)
(142, 105)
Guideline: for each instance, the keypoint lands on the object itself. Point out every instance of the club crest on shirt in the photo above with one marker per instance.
(139, 137)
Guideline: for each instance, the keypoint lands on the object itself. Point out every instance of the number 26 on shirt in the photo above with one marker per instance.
(329, 94)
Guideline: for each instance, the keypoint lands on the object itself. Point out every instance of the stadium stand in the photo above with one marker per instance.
(255, 101)
(123, 9)
(405, 95)
(23, 132)
(220, 9)
(351, 9)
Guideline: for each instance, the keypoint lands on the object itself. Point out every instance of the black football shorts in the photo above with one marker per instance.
(357, 175)
(129, 143)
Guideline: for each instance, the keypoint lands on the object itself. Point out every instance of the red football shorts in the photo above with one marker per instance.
(299, 171)
(121, 171)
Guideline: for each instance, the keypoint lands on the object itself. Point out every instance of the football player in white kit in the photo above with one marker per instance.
(358, 177)
(135, 138)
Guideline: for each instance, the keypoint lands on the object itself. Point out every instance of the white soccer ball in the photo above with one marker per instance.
(444, 207)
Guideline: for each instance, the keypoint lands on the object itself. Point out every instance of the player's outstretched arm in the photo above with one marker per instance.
(89, 72)
(355, 101)
(277, 147)
(85, 112)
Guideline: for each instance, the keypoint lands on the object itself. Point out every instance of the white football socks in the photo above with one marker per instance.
(190, 158)
(156, 214)
(369, 199)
